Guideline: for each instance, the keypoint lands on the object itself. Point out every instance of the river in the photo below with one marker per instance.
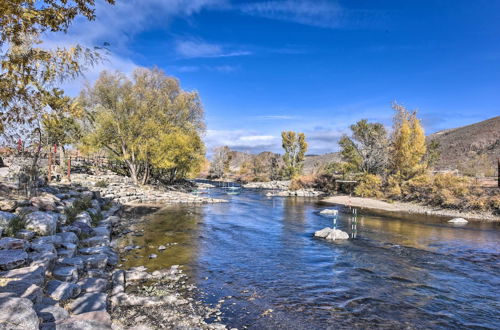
(258, 258)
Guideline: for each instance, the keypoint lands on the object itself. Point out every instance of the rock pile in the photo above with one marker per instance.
(55, 272)
(296, 193)
(122, 190)
(275, 185)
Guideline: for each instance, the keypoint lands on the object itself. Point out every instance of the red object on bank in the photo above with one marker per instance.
(19, 145)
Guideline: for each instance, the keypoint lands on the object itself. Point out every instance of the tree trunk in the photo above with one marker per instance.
(145, 178)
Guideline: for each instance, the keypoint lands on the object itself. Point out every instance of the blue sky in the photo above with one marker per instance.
(311, 66)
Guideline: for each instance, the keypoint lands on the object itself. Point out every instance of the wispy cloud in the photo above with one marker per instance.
(276, 117)
(319, 13)
(195, 48)
(316, 13)
(241, 140)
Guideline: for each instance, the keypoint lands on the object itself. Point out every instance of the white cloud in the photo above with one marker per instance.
(241, 140)
(117, 25)
(194, 48)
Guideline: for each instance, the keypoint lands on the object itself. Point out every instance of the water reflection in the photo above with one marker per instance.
(399, 272)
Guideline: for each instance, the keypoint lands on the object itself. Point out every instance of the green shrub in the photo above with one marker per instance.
(101, 184)
(370, 185)
(79, 206)
(15, 225)
(96, 217)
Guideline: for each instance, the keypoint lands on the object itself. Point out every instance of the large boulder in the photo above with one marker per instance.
(50, 313)
(59, 290)
(89, 302)
(9, 243)
(45, 201)
(42, 223)
(331, 234)
(17, 313)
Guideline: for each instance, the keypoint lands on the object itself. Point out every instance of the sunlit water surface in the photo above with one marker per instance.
(399, 272)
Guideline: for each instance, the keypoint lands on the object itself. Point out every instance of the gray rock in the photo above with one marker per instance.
(331, 234)
(332, 212)
(94, 285)
(59, 290)
(71, 229)
(84, 228)
(98, 261)
(73, 323)
(84, 217)
(23, 210)
(17, 313)
(458, 221)
(153, 256)
(162, 247)
(50, 313)
(95, 241)
(23, 289)
(8, 205)
(25, 234)
(42, 223)
(95, 250)
(89, 302)
(101, 231)
(68, 237)
(10, 259)
(65, 273)
(43, 247)
(46, 201)
(32, 275)
(87, 194)
(9, 243)
(67, 250)
(74, 261)
(43, 259)
(96, 273)
(53, 239)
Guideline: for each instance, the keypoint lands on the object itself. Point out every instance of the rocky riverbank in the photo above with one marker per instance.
(411, 208)
(282, 189)
(59, 270)
(122, 190)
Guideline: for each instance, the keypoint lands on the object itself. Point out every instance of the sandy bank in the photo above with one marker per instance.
(374, 204)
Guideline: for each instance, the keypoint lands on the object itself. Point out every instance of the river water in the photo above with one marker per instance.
(259, 256)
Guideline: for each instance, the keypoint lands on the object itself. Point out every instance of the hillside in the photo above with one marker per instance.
(472, 149)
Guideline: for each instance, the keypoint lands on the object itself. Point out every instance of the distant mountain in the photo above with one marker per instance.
(472, 149)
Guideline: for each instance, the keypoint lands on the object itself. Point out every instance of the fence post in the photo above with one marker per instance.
(69, 168)
(49, 172)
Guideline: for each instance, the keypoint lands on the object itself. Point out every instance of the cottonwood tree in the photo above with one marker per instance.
(148, 122)
(295, 147)
(29, 72)
(221, 161)
(408, 148)
(367, 148)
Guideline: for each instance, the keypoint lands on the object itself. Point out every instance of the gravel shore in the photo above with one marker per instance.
(411, 208)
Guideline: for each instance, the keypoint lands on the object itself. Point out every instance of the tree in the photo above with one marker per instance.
(147, 122)
(28, 71)
(221, 161)
(408, 144)
(295, 147)
(366, 150)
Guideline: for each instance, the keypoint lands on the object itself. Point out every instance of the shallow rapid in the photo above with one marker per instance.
(257, 258)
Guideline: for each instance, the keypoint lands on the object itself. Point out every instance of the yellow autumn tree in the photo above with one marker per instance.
(408, 144)
(147, 122)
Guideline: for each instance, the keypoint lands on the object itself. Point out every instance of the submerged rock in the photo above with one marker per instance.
(458, 220)
(329, 212)
(331, 234)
